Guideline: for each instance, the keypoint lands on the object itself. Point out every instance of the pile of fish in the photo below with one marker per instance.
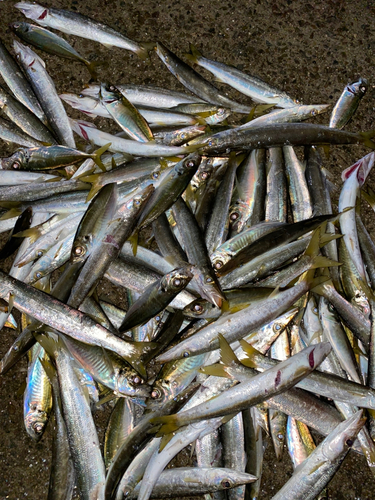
(249, 302)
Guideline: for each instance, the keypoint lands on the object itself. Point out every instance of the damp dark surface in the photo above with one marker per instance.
(309, 49)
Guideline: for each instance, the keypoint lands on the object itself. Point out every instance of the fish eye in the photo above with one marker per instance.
(182, 136)
(204, 175)
(280, 436)
(191, 164)
(111, 88)
(209, 280)
(362, 89)
(178, 282)
(40, 253)
(197, 308)
(37, 427)
(137, 201)
(277, 326)
(137, 380)
(79, 250)
(226, 483)
(349, 442)
(218, 264)
(16, 164)
(234, 216)
(210, 143)
(155, 394)
(186, 354)
(38, 275)
(155, 175)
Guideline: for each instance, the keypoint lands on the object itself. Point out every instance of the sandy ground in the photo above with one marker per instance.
(309, 49)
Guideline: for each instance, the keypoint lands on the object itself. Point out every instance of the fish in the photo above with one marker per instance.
(51, 43)
(74, 23)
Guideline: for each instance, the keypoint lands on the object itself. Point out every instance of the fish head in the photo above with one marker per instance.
(35, 422)
(32, 11)
(81, 246)
(358, 88)
(233, 478)
(130, 383)
(18, 160)
(237, 216)
(202, 175)
(188, 164)
(219, 258)
(342, 437)
(159, 394)
(201, 308)
(316, 109)
(82, 102)
(360, 301)
(208, 287)
(210, 144)
(140, 199)
(27, 56)
(225, 479)
(91, 90)
(109, 93)
(164, 54)
(19, 27)
(220, 115)
(359, 170)
(184, 135)
(176, 280)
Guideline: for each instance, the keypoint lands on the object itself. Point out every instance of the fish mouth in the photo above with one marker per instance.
(216, 299)
(144, 391)
(213, 295)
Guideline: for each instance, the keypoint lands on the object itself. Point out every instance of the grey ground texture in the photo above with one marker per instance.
(310, 49)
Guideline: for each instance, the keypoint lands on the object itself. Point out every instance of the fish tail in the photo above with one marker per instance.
(320, 261)
(11, 322)
(369, 198)
(327, 237)
(317, 285)
(48, 368)
(92, 67)
(98, 153)
(144, 49)
(251, 354)
(227, 354)
(216, 370)
(10, 214)
(314, 246)
(50, 342)
(170, 424)
(33, 233)
(367, 138)
(95, 185)
(133, 240)
(141, 354)
(194, 55)
(201, 117)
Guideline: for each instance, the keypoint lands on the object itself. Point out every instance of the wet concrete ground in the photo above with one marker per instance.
(309, 49)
